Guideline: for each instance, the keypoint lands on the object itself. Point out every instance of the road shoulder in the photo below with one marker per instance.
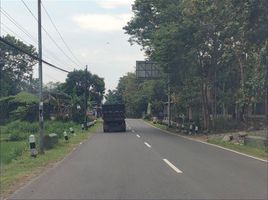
(203, 139)
(24, 169)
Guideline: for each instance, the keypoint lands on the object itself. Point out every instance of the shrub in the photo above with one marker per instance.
(19, 130)
(222, 124)
(11, 150)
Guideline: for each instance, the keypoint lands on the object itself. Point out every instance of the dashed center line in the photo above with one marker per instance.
(138, 135)
(133, 131)
(172, 166)
(147, 144)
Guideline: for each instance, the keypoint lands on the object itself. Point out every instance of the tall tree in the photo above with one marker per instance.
(16, 68)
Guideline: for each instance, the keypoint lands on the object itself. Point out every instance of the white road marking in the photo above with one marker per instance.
(214, 145)
(138, 136)
(147, 144)
(172, 166)
(133, 131)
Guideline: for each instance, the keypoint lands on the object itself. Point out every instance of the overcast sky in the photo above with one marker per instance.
(91, 28)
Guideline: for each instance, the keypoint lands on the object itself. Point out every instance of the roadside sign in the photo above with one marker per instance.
(147, 70)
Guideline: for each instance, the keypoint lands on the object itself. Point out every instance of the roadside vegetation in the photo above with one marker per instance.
(213, 54)
(18, 167)
(259, 151)
(64, 105)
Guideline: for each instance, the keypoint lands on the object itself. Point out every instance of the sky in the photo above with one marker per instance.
(92, 29)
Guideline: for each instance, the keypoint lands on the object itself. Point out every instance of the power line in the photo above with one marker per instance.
(19, 37)
(59, 33)
(12, 20)
(31, 37)
(51, 38)
(31, 55)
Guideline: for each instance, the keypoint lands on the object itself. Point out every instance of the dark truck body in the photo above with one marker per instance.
(113, 116)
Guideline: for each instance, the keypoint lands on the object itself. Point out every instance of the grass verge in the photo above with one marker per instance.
(23, 168)
(257, 152)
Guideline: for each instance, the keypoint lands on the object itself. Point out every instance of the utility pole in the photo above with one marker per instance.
(169, 99)
(41, 113)
(86, 97)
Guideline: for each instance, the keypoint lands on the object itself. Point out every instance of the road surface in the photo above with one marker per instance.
(146, 163)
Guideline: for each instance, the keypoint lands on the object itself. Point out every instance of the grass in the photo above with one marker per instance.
(24, 167)
(11, 150)
(257, 152)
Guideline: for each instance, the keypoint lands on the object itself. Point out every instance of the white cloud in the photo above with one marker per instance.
(102, 22)
(111, 4)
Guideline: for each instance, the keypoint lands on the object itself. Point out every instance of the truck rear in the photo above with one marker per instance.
(113, 116)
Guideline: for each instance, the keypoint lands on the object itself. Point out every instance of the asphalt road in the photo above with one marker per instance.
(146, 163)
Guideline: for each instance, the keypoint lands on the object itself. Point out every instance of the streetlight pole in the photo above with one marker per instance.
(41, 113)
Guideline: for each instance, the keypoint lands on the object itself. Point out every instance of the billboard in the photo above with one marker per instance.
(147, 70)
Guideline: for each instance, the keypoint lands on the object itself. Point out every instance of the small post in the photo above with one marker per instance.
(65, 136)
(32, 143)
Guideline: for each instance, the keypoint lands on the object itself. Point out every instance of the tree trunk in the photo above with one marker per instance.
(242, 81)
(266, 96)
(205, 107)
(190, 113)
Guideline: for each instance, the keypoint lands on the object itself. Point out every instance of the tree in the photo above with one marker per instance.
(112, 97)
(16, 68)
(210, 49)
(81, 85)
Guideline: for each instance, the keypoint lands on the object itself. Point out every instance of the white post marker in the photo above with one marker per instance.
(71, 130)
(32, 143)
(196, 129)
(65, 136)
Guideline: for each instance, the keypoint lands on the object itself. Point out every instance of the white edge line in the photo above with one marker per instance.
(214, 145)
(148, 145)
(172, 166)
(138, 136)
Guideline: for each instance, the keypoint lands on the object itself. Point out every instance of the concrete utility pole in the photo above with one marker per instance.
(41, 113)
(86, 97)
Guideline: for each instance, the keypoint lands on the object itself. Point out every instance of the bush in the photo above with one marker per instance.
(59, 127)
(11, 150)
(222, 124)
(19, 130)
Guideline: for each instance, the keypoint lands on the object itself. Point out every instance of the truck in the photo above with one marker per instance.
(113, 116)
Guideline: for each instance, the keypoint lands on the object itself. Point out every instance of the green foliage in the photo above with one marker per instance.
(223, 124)
(59, 127)
(11, 150)
(21, 106)
(112, 97)
(212, 50)
(25, 98)
(137, 95)
(16, 68)
(19, 130)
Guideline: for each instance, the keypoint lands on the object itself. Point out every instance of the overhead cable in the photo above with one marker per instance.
(31, 55)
